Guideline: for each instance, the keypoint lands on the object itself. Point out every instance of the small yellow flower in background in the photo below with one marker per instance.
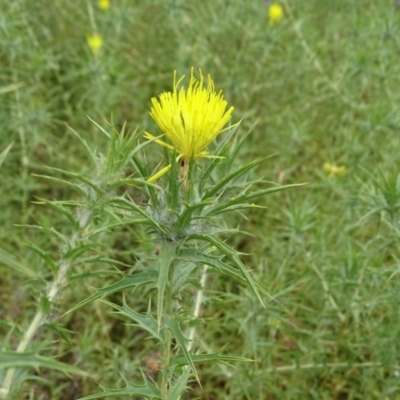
(333, 170)
(104, 4)
(275, 13)
(189, 118)
(95, 43)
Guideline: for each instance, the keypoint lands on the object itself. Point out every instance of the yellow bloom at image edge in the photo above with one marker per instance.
(95, 43)
(275, 13)
(190, 118)
(104, 4)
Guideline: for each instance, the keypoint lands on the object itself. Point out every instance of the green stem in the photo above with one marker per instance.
(167, 344)
(165, 309)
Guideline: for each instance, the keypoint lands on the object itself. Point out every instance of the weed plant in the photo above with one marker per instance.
(294, 297)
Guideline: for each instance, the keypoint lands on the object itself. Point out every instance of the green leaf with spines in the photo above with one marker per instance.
(232, 255)
(147, 391)
(186, 216)
(85, 145)
(173, 325)
(150, 189)
(166, 258)
(145, 322)
(44, 256)
(63, 182)
(79, 178)
(246, 197)
(62, 210)
(200, 258)
(216, 189)
(180, 386)
(10, 359)
(127, 282)
(131, 206)
(180, 360)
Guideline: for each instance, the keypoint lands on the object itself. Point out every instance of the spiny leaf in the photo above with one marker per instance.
(147, 391)
(186, 216)
(247, 197)
(33, 360)
(234, 175)
(180, 386)
(63, 182)
(85, 145)
(129, 205)
(200, 258)
(180, 360)
(46, 258)
(146, 322)
(128, 281)
(180, 339)
(232, 255)
(78, 177)
(167, 254)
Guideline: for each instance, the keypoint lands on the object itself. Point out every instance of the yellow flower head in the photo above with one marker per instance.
(275, 13)
(333, 170)
(190, 118)
(95, 43)
(104, 4)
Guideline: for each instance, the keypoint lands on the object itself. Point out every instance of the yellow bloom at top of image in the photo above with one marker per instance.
(333, 170)
(275, 13)
(190, 118)
(104, 4)
(95, 43)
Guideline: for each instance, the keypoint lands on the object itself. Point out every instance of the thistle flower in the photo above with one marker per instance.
(189, 118)
(95, 43)
(333, 170)
(275, 13)
(104, 4)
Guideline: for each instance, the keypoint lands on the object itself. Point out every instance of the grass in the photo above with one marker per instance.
(320, 86)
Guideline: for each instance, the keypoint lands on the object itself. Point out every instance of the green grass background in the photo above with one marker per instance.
(320, 86)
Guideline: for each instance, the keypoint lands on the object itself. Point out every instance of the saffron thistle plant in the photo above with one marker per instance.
(187, 205)
(182, 208)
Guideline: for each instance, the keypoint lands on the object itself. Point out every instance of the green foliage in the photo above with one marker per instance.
(83, 234)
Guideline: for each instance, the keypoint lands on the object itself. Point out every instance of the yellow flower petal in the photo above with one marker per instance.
(275, 13)
(104, 4)
(190, 118)
(159, 174)
(95, 43)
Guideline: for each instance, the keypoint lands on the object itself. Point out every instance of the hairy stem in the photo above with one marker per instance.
(165, 379)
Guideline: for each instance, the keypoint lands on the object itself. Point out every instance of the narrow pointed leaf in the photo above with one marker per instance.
(146, 322)
(185, 218)
(180, 386)
(147, 391)
(234, 175)
(247, 197)
(33, 360)
(127, 282)
(232, 255)
(180, 339)
(216, 263)
(180, 360)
